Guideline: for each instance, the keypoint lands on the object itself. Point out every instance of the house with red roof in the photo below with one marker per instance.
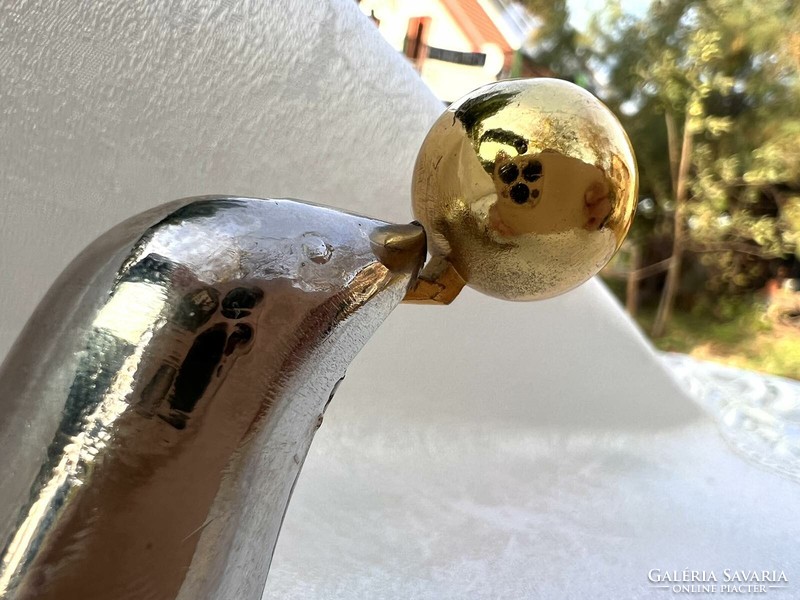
(456, 45)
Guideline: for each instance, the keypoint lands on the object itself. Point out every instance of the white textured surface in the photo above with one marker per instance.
(483, 450)
(477, 499)
(757, 414)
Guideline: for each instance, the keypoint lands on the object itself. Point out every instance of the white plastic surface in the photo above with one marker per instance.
(482, 450)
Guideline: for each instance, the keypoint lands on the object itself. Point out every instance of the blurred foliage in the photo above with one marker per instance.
(559, 46)
(742, 338)
(726, 70)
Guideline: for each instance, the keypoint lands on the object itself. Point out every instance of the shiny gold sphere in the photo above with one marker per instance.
(526, 187)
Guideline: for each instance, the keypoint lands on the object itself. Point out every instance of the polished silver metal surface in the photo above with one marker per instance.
(157, 409)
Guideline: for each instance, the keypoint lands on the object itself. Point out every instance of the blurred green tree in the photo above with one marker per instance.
(709, 94)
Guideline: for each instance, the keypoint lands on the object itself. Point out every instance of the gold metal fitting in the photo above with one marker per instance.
(525, 188)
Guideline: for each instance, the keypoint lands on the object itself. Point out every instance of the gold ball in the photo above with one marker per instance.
(526, 187)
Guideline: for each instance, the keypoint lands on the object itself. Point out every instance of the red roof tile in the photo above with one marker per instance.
(477, 25)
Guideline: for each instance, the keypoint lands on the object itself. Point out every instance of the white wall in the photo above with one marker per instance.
(448, 81)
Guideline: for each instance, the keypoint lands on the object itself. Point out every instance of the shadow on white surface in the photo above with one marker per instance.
(430, 506)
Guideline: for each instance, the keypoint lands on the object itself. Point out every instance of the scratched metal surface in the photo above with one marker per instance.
(157, 408)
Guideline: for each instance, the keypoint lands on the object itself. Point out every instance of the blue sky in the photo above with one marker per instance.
(582, 10)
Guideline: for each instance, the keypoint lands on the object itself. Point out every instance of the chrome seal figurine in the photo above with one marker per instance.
(157, 408)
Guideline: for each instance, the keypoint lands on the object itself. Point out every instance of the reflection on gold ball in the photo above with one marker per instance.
(527, 187)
